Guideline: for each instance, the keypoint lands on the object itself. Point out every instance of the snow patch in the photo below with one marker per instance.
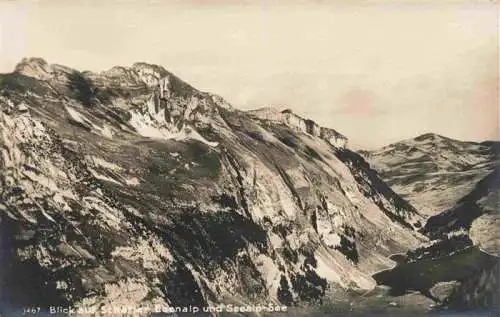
(147, 127)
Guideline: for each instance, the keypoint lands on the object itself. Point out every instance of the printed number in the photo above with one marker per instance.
(30, 311)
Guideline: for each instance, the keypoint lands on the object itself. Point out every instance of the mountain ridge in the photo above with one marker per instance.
(151, 192)
(441, 164)
(156, 75)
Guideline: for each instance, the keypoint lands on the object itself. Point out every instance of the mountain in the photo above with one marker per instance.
(464, 250)
(433, 172)
(129, 187)
(481, 200)
(475, 222)
(457, 185)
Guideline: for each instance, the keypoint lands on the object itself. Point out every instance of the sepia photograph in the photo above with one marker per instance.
(219, 158)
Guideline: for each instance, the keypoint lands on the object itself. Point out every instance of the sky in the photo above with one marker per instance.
(377, 72)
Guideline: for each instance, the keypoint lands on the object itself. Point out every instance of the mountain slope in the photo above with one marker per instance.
(475, 219)
(130, 187)
(482, 200)
(431, 171)
(465, 249)
(457, 184)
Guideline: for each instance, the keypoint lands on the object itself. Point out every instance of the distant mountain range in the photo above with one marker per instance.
(431, 171)
(456, 185)
(129, 187)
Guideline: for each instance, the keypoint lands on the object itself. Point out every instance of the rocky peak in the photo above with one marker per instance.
(428, 136)
(155, 102)
(428, 141)
(433, 139)
(34, 67)
(152, 75)
(39, 68)
(32, 61)
(115, 71)
(153, 69)
(286, 116)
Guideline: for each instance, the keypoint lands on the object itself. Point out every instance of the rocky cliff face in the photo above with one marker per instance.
(285, 116)
(130, 187)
